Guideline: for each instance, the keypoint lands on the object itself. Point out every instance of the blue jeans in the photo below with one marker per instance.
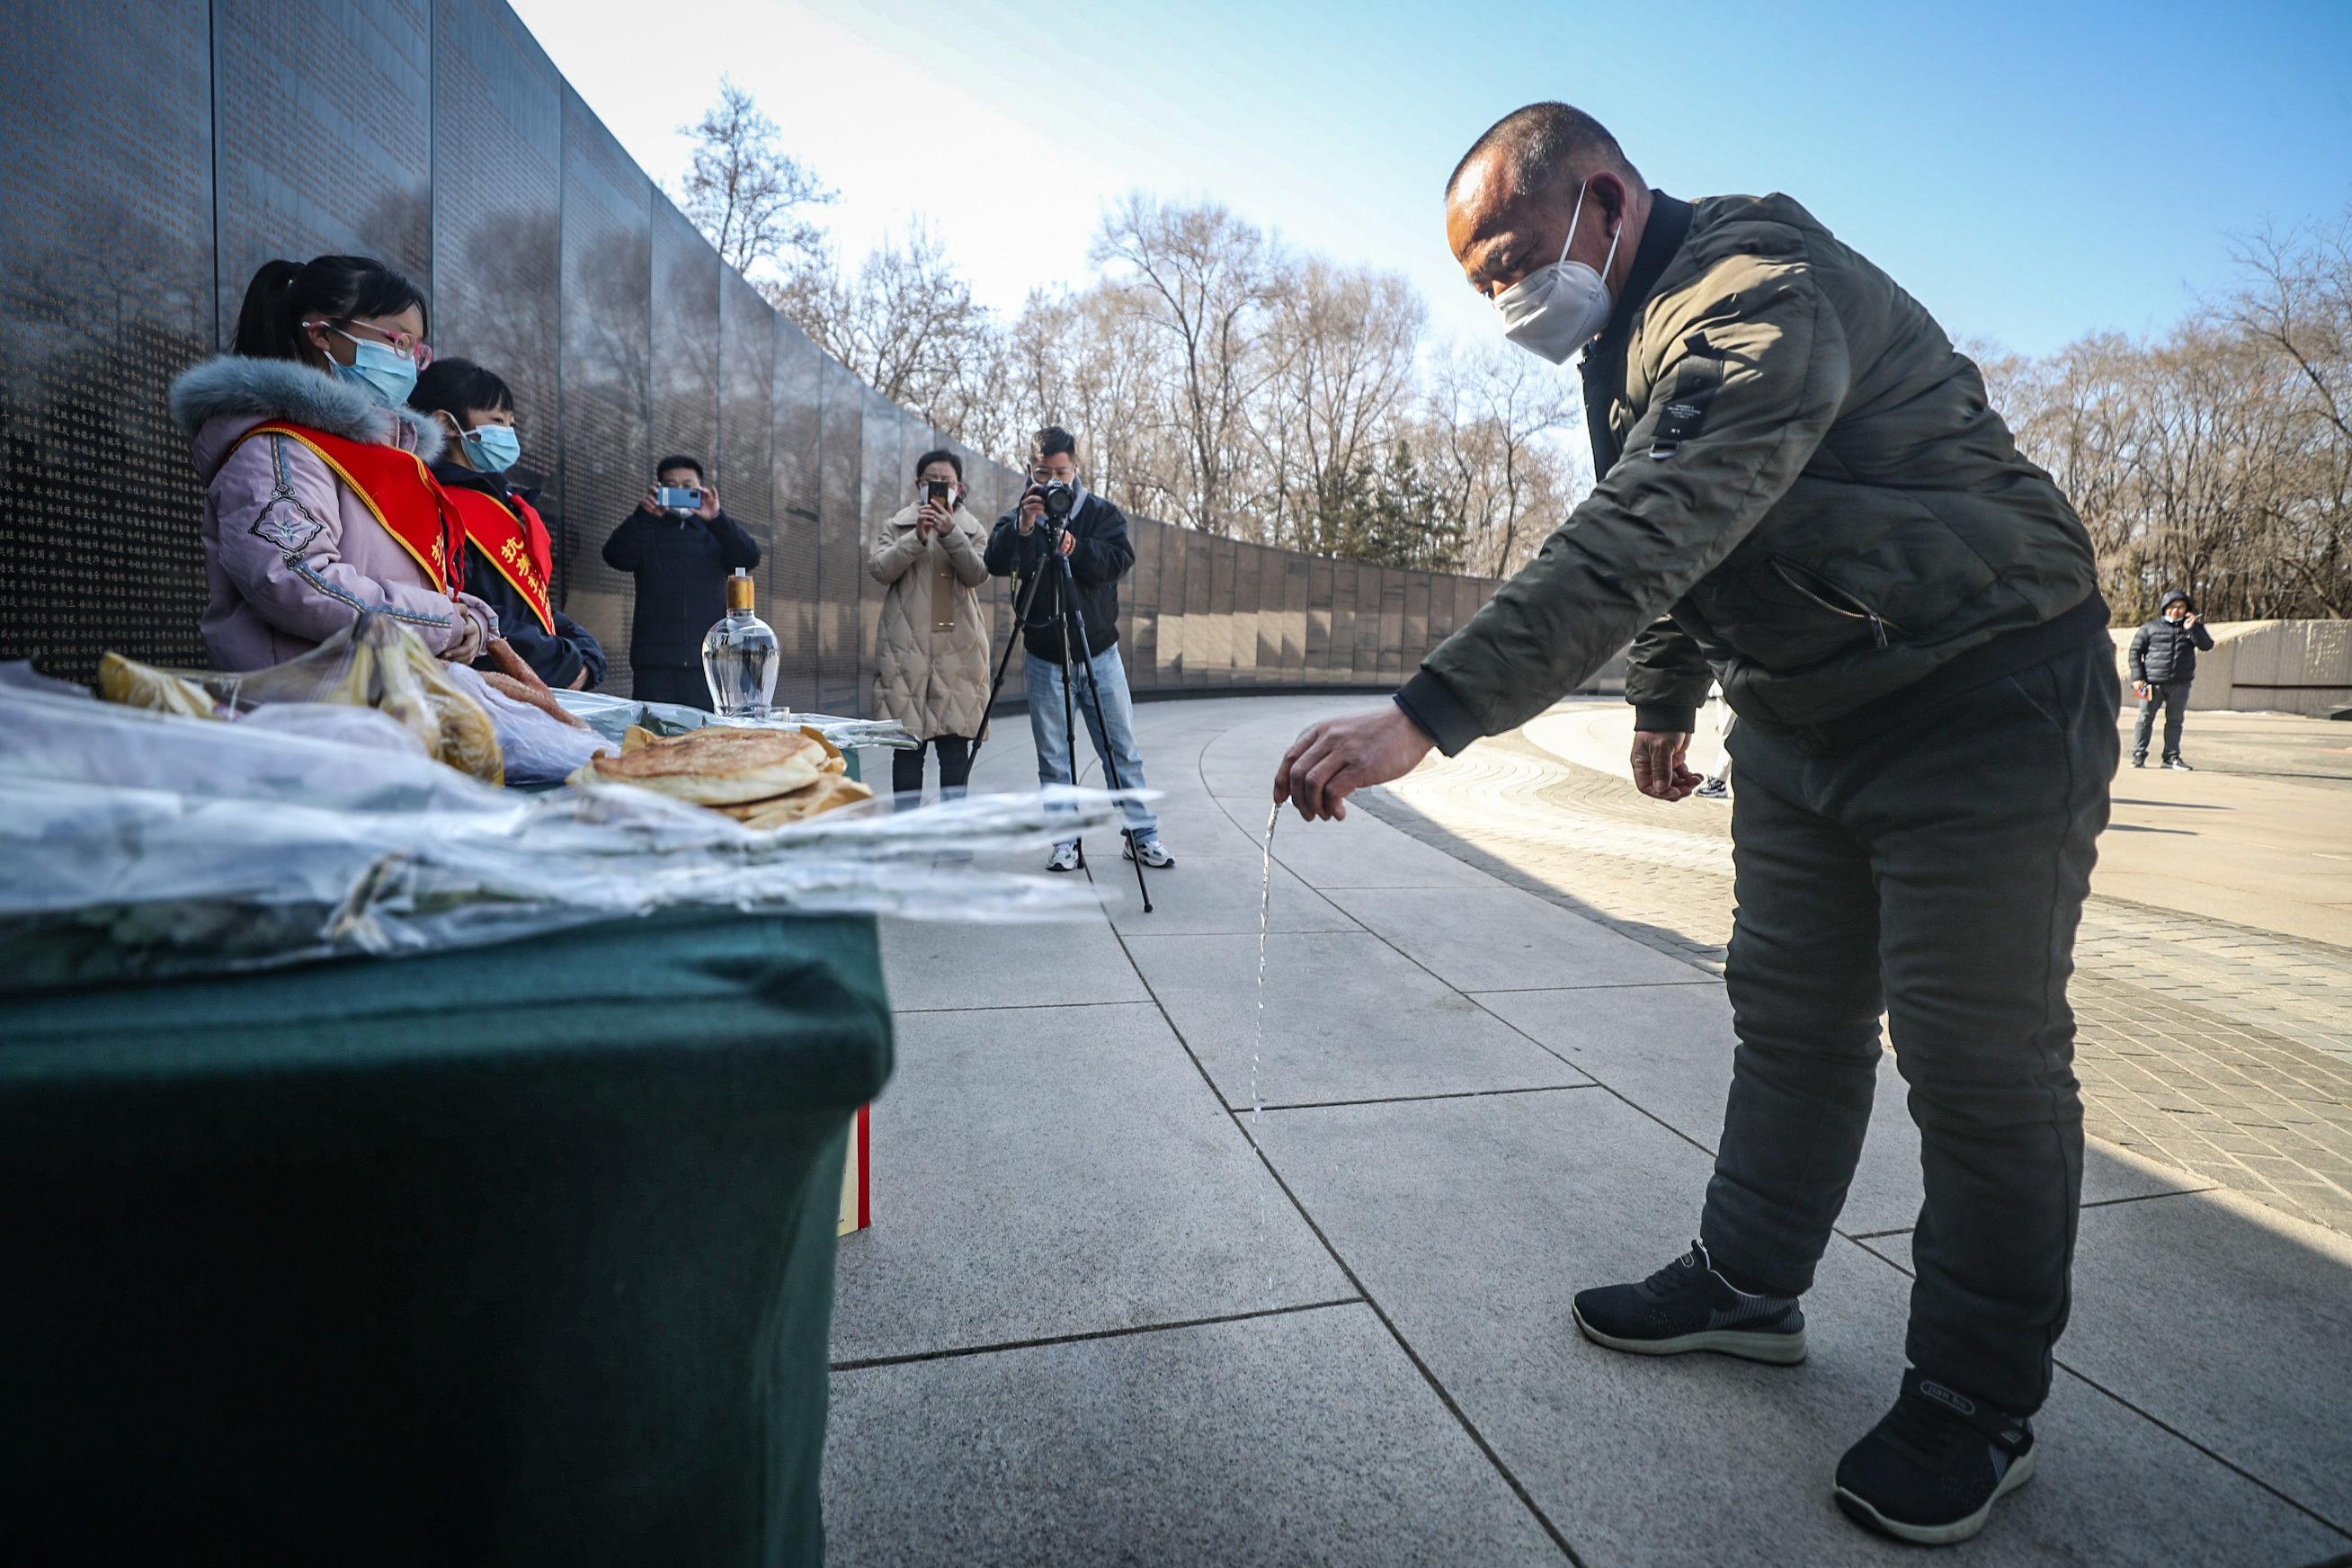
(1113, 729)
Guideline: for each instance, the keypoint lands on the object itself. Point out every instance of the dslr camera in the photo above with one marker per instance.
(1058, 500)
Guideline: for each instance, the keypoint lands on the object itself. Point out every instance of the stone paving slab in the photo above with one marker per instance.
(2221, 1049)
(2228, 1322)
(1278, 1442)
(1048, 1159)
(1501, 939)
(1219, 895)
(1051, 1170)
(1346, 1018)
(950, 966)
(1472, 1224)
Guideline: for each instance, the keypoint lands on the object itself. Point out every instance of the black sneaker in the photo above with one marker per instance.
(2177, 766)
(2139, 762)
(1932, 1469)
(1687, 1306)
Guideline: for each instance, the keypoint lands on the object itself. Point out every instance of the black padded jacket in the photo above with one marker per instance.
(2165, 652)
(1100, 558)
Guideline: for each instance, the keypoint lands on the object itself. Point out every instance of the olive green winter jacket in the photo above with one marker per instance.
(1798, 468)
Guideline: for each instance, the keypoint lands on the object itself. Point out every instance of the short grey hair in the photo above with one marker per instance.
(1547, 145)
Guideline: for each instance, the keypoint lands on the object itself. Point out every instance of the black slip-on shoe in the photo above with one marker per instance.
(2177, 766)
(1931, 1470)
(1687, 1306)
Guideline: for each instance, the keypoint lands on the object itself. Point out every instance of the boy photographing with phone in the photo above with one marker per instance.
(680, 546)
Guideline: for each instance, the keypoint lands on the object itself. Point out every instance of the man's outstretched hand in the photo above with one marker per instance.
(1337, 757)
(1658, 767)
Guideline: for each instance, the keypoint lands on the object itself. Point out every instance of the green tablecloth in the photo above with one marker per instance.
(517, 1255)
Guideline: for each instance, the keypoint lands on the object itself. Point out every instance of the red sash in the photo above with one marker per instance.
(397, 488)
(517, 546)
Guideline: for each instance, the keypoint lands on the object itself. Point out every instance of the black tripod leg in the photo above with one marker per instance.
(1075, 623)
(1070, 719)
(1020, 618)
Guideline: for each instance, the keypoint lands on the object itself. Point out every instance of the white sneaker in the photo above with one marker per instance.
(1153, 854)
(1065, 858)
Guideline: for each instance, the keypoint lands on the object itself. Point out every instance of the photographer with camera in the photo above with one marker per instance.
(1057, 513)
(680, 546)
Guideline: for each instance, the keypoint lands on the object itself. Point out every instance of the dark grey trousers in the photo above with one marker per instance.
(1935, 871)
(2172, 696)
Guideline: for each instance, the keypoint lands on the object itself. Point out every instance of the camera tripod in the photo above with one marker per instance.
(1073, 635)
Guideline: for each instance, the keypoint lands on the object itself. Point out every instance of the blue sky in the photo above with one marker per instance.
(2030, 171)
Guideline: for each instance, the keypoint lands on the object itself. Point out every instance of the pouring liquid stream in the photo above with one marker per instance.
(1258, 1038)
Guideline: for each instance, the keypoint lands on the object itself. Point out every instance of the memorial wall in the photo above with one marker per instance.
(167, 148)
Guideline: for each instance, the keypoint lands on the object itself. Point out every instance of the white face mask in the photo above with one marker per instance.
(1557, 309)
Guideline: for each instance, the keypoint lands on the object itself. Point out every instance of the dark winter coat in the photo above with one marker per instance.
(2163, 652)
(681, 565)
(560, 657)
(1101, 558)
(1797, 467)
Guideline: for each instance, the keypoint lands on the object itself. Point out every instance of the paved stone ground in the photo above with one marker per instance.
(1156, 1278)
(2221, 1049)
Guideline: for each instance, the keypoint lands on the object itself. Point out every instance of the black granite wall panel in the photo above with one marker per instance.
(841, 565)
(606, 367)
(324, 118)
(685, 340)
(793, 559)
(437, 135)
(498, 231)
(744, 458)
(106, 293)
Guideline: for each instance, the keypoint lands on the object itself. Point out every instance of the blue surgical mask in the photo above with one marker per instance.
(493, 449)
(386, 376)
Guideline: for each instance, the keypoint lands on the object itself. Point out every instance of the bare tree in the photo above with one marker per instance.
(1342, 346)
(2218, 458)
(1198, 278)
(902, 321)
(1491, 427)
(742, 192)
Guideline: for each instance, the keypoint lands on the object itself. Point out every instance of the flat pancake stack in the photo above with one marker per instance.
(762, 778)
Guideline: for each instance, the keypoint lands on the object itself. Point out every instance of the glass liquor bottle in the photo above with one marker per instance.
(740, 655)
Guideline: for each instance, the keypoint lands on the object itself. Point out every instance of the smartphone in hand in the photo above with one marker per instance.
(678, 497)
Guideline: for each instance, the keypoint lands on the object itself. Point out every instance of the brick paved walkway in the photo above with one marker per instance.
(2219, 1049)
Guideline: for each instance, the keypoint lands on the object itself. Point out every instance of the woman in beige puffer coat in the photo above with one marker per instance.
(930, 661)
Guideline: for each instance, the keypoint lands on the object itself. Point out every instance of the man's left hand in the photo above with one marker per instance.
(1658, 768)
(709, 506)
(1338, 757)
(1070, 541)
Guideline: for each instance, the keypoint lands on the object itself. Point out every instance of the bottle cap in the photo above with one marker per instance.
(739, 590)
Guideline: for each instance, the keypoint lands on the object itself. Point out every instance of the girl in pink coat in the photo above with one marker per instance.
(294, 547)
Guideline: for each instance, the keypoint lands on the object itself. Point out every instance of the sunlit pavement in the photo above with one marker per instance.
(2214, 985)
(1152, 1282)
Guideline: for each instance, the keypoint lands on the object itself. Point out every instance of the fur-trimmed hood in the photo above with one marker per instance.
(219, 401)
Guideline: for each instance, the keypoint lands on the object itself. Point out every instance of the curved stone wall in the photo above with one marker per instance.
(436, 134)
